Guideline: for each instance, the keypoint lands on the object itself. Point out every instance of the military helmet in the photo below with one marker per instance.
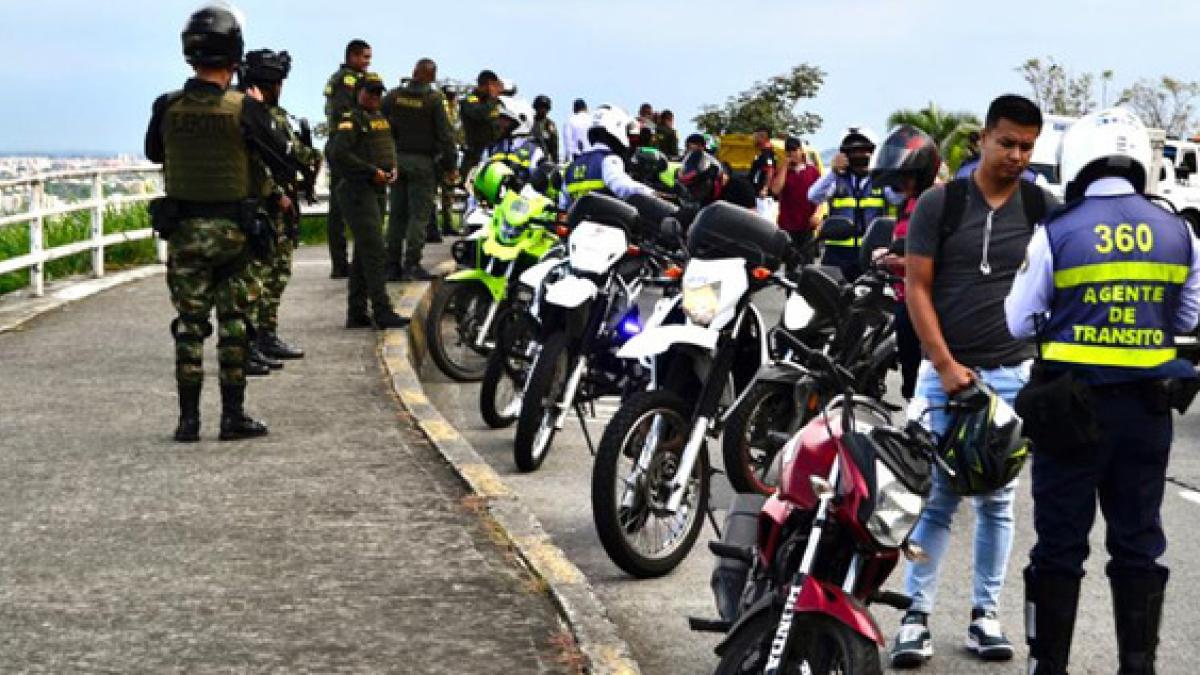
(212, 36)
(541, 101)
(265, 65)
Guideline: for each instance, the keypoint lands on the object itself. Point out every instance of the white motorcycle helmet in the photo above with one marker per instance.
(610, 126)
(1111, 142)
(520, 112)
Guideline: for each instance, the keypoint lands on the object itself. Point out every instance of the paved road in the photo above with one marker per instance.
(340, 543)
(652, 614)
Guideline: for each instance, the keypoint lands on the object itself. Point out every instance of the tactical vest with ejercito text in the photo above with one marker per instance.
(379, 144)
(411, 114)
(1119, 266)
(206, 157)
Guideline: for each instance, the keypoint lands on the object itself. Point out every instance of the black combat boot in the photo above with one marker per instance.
(235, 423)
(358, 319)
(1137, 608)
(393, 272)
(340, 270)
(257, 354)
(1051, 601)
(389, 319)
(271, 346)
(415, 272)
(432, 234)
(188, 430)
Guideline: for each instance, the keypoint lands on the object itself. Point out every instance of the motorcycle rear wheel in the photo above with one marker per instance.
(507, 369)
(817, 645)
(744, 444)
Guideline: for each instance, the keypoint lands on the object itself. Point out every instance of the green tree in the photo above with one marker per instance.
(1167, 104)
(1056, 90)
(949, 129)
(771, 103)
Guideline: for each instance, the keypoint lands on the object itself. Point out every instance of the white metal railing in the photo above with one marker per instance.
(97, 204)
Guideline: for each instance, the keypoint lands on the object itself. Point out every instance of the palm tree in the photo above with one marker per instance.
(948, 129)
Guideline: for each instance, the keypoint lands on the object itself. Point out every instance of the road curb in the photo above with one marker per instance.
(402, 353)
(30, 308)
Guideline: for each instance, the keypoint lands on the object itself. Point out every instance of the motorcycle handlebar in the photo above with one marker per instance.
(820, 361)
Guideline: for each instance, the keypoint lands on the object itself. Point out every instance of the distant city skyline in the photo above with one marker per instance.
(82, 75)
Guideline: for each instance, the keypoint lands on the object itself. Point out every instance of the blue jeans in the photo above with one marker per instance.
(993, 512)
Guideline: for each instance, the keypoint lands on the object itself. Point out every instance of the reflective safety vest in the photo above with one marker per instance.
(517, 152)
(1119, 266)
(206, 155)
(586, 173)
(860, 206)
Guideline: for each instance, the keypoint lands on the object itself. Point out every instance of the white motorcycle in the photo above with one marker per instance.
(587, 309)
(650, 483)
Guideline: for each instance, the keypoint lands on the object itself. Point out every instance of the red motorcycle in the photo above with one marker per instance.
(852, 487)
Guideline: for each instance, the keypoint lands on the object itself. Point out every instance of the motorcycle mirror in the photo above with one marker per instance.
(878, 235)
(670, 228)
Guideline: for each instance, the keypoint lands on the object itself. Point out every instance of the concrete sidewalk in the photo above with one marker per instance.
(339, 543)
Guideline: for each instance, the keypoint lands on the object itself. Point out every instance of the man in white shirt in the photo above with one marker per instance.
(575, 133)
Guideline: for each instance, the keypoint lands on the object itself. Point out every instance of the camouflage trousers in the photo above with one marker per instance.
(273, 275)
(207, 270)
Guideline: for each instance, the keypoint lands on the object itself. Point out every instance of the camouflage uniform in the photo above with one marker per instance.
(275, 273)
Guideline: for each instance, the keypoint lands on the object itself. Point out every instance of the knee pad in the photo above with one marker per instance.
(191, 328)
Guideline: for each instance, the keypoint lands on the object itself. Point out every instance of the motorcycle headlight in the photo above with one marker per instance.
(700, 302)
(896, 509)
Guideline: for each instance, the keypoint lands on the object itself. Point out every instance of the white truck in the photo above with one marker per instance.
(1176, 179)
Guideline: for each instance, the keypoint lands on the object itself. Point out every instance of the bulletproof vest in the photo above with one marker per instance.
(378, 145)
(206, 156)
(586, 174)
(861, 207)
(411, 113)
(1119, 266)
(341, 81)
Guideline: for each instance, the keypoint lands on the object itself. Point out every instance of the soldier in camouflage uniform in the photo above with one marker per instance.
(363, 154)
(340, 95)
(545, 132)
(424, 152)
(206, 136)
(267, 70)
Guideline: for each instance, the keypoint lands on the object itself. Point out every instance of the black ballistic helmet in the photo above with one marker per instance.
(212, 37)
(906, 152)
(722, 230)
(541, 101)
(264, 65)
(700, 174)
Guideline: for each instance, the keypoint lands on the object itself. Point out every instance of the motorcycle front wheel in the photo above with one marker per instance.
(629, 499)
(746, 446)
(817, 645)
(507, 368)
(535, 425)
(456, 316)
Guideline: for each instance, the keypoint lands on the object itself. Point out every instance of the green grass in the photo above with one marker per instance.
(72, 227)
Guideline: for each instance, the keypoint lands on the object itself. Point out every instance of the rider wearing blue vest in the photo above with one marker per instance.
(1106, 284)
(602, 167)
(851, 195)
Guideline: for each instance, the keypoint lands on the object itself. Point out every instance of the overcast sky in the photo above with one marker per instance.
(81, 74)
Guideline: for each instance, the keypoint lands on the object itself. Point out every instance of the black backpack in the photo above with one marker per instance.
(1033, 199)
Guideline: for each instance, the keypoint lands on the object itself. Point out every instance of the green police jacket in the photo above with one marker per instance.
(361, 143)
(479, 121)
(417, 113)
(340, 94)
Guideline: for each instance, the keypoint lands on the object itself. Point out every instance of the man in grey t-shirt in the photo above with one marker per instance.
(957, 277)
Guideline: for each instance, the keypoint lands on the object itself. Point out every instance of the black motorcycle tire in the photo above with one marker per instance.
(448, 297)
(514, 330)
(773, 399)
(546, 381)
(605, 512)
(746, 651)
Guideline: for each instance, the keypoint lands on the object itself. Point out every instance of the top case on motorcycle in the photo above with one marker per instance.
(604, 210)
(722, 230)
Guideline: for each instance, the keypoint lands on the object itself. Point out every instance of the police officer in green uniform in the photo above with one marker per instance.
(479, 112)
(424, 150)
(206, 137)
(266, 70)
(363, 154)
(545, 133)
(340, 95)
